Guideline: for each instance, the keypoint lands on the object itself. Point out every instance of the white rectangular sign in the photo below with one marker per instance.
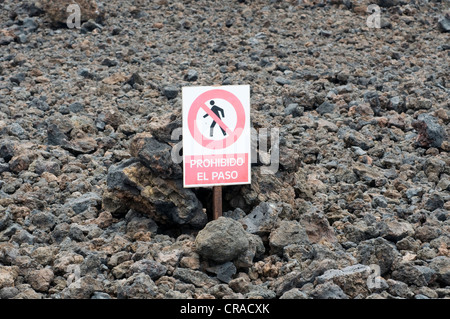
(216, 135)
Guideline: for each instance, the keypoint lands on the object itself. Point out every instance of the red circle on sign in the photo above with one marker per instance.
(197, 104)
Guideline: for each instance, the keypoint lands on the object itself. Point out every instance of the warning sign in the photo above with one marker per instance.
(216, 135)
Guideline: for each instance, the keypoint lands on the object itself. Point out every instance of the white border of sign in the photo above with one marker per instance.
(192, 148)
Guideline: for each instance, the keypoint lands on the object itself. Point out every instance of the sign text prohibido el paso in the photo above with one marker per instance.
(216, 135)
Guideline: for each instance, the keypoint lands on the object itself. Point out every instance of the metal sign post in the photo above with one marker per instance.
(217, 202)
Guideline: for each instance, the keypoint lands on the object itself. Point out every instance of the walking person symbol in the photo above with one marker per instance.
(219, 112)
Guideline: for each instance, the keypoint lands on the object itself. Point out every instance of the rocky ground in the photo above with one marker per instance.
(91, 205)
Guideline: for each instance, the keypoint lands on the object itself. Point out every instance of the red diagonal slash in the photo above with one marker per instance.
(216, 118)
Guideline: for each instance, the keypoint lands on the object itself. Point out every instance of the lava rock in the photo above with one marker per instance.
(138, 286)
(195, 277)
(441, 265)
(209, 241)
(282, 81)
(377, 251)
(132, 185)
(444, 24)
(262, 219)
(224, 272)
(352, 280)
(412, 274)
(83, 202)
(76, 107)
(89, 26)
(40, 280)
(288, 232)
(191, 76)
(328, 290)
(431, 134)
(325, 107)
(152, 268)
(155, 155)
(170, 92)
(294, 109)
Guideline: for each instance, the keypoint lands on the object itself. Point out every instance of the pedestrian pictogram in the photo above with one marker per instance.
(218, 111)
(216, 135)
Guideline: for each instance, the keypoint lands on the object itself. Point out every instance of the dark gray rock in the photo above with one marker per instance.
(398, 288)
(16, 130)
(372, 97)
(43, 220)
(262, 219)
(55, 136)
(135, 79)
(282, 81)
(325, 107)
(294, 293)
(83, 202)
(260, 291)
(191, 76)
(441, 265)
(396, 103)
(195, 277)
(8, 292)
(76, 107)
(7, 150)
(255, 249)
(76, 233)
(167, 203)
(415, 191)
(138, 286)
(4, 167)
(60, 232)
(170, 92)
(377, 251)
(434, 202)
(394, 230)
(288, 232)
(444, 24)
(5, 221)
(209, 241)
(236, 214)
(150, 267)
(379, 201)
(431, 134)
(109, 63)
(155, 155)
(325, 33)
(141, 223)
(299, 252)
(41, 166)
(5, 40)
(294, 109)
(224, 272)
(89, 26)
(328, 290)
(352, 279)
(23, 236)
(354, 138)
(410, 274)
(388, 3)
(92, 264)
